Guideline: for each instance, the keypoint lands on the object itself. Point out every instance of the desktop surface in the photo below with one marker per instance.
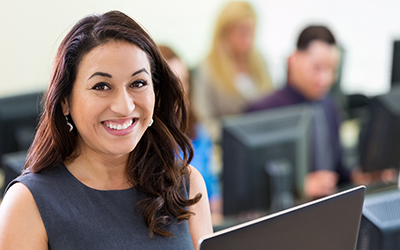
(329, 223)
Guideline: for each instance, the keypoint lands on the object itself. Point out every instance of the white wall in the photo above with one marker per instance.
(32, 30)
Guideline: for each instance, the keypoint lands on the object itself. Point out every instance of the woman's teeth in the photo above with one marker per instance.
(118, 126)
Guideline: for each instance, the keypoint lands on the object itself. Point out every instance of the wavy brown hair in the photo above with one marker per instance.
(152, 166)
(168, 53)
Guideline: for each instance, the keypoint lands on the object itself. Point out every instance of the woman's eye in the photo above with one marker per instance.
(139, 84)
(100, 86)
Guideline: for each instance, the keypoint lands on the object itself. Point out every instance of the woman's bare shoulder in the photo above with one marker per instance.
(21, 226)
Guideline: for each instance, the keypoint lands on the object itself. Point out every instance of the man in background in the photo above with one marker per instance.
(311, 72)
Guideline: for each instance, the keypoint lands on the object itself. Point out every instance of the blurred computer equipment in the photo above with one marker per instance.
(265, 159)
(380, 222)
(18, 121)
(380, 139)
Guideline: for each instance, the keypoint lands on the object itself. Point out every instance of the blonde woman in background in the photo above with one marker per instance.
(234, 73)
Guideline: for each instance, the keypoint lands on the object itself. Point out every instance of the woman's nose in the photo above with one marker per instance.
(123, 103)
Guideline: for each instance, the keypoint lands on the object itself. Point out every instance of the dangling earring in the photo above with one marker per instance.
(151, 122)
(69, 124)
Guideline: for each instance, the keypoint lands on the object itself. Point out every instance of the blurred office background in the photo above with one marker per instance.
(32, 30)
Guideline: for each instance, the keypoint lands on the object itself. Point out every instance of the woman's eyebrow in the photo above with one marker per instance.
(109, 76)
(140, 71)
(100, 74)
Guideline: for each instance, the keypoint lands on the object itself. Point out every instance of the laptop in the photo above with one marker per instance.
(330, 223)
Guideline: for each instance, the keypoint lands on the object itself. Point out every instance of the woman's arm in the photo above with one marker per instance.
(199, 224)
(21, 226)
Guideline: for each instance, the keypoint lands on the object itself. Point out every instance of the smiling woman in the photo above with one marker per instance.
(103, 172)
(112, 101)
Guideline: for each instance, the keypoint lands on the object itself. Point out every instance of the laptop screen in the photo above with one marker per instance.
(330, 223)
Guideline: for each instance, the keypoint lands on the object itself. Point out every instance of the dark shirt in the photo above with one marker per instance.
(289, 96)
(79, 217)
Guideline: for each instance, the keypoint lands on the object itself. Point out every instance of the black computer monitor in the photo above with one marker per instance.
(18, 121)
(380, 141)
(395, 77)
(380, 221)
(265, 159)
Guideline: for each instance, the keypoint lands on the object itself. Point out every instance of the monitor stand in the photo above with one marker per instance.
(280, 175)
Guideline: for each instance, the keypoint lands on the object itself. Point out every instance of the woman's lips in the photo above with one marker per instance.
(120, 127)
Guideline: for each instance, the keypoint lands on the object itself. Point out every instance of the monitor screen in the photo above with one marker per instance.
(380, 141)
(265, 159)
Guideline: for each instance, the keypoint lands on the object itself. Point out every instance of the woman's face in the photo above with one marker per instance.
(240, 36)
(112, 99)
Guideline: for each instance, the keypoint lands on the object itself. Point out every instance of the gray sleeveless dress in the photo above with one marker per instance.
(78, 217)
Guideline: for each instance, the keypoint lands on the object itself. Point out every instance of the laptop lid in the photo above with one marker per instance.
(330, 223)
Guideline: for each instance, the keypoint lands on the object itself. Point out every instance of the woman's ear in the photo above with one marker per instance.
(65, 106)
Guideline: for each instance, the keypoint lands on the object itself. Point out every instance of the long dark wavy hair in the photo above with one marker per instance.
(168, 53)
(152, 165)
